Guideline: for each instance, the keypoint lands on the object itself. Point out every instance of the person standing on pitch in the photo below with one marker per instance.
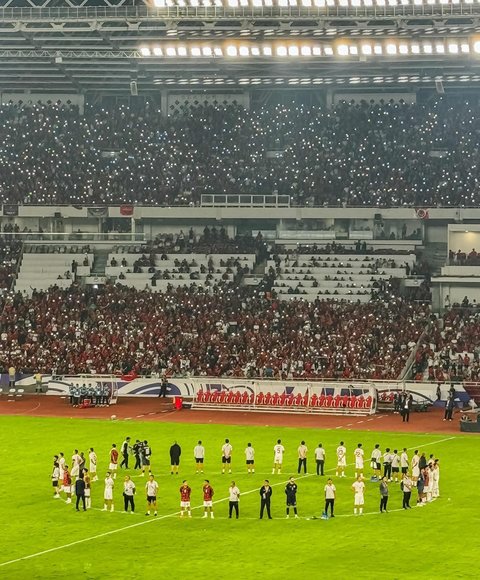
(278, 451)
(151, 488)
(358, 488)
(175, 452)
(250, 458)
(227, 456)
(233, 499)
(383, 494)
(291, 493)
(108, 493)
(207, 499)
(92, 456)
(80, 492)
(125, 451)
(341, 460)
(55, 479)
(88, 488)
(330, 494)
(185, 494)
(320, 459)
(406, 487)
(67, 484)
(199, 456)
(302, 457)
(265, 495)
(128, 494)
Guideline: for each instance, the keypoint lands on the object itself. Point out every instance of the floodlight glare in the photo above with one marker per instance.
(391, 49)
(427, 49)
(342, 49)
(366, 49)
(157, 51)
(293, 51)
(231, 50)
(243, 51)
(476, 46)
(440, 48)
(207, 51)
(145, 51)
(415, 48)
(281, 51)
(170, 51)
(453, 48)
(306, 51)
(403, 49)
(182, 51)
(267, 51)
(196, 51)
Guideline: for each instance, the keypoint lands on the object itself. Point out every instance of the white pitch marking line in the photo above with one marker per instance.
(158, 518)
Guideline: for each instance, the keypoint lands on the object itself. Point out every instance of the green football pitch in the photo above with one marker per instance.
(44, 537)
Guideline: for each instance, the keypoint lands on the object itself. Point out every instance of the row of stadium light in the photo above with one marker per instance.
(303, 3)
(315, 81)
(307, 50)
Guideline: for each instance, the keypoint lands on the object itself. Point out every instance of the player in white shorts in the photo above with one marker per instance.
(278, 451)
(341, 460)
(108, 493)
(359, 459)
(415, 467)
(61, 465)
(227, 456)
(358, 488)
(76, 460)
(92, 456)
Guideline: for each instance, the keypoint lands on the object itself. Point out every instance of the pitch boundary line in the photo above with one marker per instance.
(159, 518)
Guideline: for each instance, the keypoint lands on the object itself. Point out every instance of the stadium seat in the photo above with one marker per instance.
(313, 400)
(259, 399)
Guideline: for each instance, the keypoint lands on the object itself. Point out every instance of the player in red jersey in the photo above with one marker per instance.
(207, 499)
(113, 460)
(185, 492)
(67, 484)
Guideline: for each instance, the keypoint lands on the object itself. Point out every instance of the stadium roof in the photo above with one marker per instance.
(101, 46)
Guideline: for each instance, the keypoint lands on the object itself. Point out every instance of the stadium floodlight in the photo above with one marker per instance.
(391, 48)
(267, 51)
(465, 48)
(170, 51)
(453, 48)
(181, 3)
(328, 50)
(427, 48)
(343, 3)
(378, 49)
(306, 3)
(306, 51)
(257, 3)
(380, 2)
(243, 51)
(232, 50)
(157, 51)
(145, 51)
(233, 3)
(292, 2)
(476, 46)
(342, 49)
(353, 50)
(440, 48)
(283, 3)
(159, 3)
(293, 50)
(196, 51)
(330, 2)
(194, 3)
(182, 51)
(368, 2)
(415, 48)
(268, 2)
(319, 3)
(282, 51)
(255, 51)
(356, 3)
(243, 2)
(403, 48)
(366, 49)
(392, 2)
(207, 51)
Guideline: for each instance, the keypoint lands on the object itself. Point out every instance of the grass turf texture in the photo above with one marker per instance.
(432, 542)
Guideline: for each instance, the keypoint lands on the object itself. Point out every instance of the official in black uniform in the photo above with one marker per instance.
(265, 495)
(80, 493)
(175, 452)
(124, 450)
(291, 493)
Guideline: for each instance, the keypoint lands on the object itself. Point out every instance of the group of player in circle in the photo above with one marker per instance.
(390, 466)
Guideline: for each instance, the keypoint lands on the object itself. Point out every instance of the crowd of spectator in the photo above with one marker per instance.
(227, 331)
(451, 351)
(10, 251)
(365, 154)
(460, 258)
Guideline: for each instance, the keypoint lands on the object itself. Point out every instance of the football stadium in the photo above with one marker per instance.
(240, 289)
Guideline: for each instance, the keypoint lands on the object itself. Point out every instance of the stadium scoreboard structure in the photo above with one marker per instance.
(130, 48)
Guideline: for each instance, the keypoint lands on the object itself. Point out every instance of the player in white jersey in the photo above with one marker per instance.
(359, 457)
(250, 458)
(358, 488)
(376, 462)
(278, 451)
(436, 480)
(199, 456)
(61, 465)
(341, 460)
(415, 467)
(76, 460)
(151, 488)
(92, 457)
(227, 456)
(55, 480)
(108, 493)
(395, 466)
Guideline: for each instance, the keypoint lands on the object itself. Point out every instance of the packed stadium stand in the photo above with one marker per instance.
(389, 154)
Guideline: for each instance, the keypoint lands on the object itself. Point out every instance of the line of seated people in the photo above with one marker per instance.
(284, 400)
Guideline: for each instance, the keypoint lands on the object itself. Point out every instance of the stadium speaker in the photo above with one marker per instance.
(377, 217)
(133, 88)
(439, 87)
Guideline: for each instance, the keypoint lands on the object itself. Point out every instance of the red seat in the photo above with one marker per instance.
(329, 401)
(367, 403)
(222, 397)
(321, 401)
(259, 399)
(337, 401)
(268, 399)
(244, 399)
(214, 396)
(350, 402)
(275, 399)
(251, 399)
(359, 402)
(199, 397)
(304, 401)
(229, 397)
(282, 400)
(296, 400)
(313, 400)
